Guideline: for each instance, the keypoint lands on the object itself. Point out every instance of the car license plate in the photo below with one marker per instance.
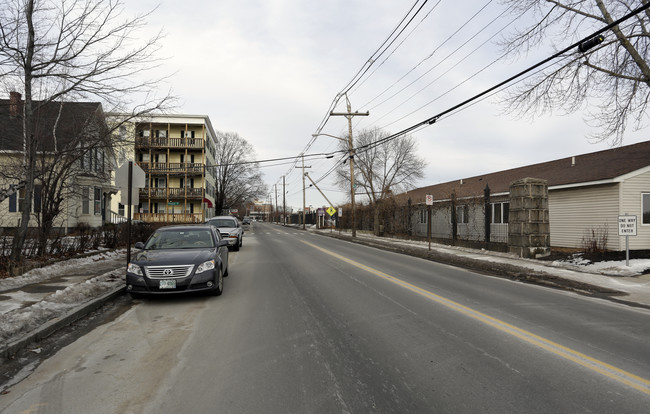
(167, 284)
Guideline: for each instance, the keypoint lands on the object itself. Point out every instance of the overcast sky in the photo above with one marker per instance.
(270, 69)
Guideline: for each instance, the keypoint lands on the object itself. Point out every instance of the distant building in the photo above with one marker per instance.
(586, 195)
(176, 152)
(71, 136)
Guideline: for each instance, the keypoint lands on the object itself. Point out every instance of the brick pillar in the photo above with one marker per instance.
(529, 233)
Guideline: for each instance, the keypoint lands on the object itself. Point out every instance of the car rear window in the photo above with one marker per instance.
(180, 239)
(223, 223)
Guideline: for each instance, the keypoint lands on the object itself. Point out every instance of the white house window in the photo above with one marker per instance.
(500, 213)
(645, 201)
(85, 200)
(98, 200)
(462, 214)
(423, 216)
(88, 160)
(21, 199)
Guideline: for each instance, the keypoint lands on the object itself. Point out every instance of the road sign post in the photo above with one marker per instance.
(130, 178)
(429, 202)
(627, 227)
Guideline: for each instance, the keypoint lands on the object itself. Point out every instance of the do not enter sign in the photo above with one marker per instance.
(627, 225)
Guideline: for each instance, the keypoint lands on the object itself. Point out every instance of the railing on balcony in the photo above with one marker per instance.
(152, 142)
(172, 193)
(180, 218)
(191, 168)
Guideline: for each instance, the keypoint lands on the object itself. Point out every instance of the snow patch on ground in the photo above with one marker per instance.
(636, 267)
(24, 320)
(54, 270)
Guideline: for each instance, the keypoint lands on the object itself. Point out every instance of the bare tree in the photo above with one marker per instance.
(86, 151)
(382, 170)
(612, 78)
(238, 177)
(57, 50)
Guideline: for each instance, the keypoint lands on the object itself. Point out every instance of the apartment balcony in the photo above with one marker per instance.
(177, 218)
(172, 168)
(172, 193)
(176, 143)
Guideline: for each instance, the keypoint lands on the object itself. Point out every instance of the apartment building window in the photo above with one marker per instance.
(187, 134)
(161, 133)
(120, 209)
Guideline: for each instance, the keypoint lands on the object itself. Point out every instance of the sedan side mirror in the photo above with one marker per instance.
(139, 245)
(223, 243)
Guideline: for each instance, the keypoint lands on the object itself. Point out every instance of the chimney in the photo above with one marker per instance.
(573, 161)
(14, 104)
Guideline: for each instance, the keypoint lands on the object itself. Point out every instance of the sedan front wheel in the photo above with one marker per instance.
(218, 286)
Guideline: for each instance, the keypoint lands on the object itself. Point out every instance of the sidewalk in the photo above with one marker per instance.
(34, 305)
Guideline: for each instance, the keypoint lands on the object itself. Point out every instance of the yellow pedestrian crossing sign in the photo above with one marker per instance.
(331, 211)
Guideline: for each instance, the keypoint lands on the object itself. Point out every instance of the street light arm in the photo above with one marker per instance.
(331, 136)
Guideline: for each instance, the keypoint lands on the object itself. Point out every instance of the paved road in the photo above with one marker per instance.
(312, 324)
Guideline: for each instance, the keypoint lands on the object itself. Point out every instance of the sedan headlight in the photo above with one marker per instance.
(134, 268)
(205, 266)
(233, 235)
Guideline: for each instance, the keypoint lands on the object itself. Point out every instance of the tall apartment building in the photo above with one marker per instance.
(175, 152)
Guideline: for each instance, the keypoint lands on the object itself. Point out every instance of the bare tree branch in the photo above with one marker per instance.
(57, 51)
(612, 79)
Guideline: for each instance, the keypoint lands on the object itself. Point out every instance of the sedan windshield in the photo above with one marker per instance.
(180, 239)
(223, 223)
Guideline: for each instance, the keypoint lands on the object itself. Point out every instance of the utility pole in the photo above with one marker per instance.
(276, 203)
(284, 203)
(303, 191)
(349, 115)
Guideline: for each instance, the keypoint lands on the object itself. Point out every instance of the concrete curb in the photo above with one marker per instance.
(48, 328)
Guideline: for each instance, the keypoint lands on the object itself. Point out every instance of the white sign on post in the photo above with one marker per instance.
(138, 178)
(627, 225)
(429, 200)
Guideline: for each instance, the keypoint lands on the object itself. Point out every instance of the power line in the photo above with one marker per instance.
(433, 119)
(362, 71)
(434, 52)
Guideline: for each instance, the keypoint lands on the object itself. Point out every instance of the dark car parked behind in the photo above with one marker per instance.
(179, 259)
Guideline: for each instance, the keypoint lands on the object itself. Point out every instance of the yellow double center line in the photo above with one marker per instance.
(579, 358)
